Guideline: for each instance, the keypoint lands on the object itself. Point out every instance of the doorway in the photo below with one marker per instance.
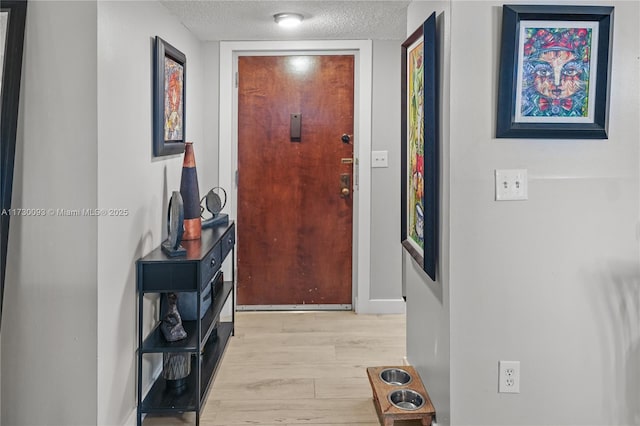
(295, 175)
(228, 148)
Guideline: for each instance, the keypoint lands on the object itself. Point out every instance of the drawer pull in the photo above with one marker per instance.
(230, 240)
(213, 262)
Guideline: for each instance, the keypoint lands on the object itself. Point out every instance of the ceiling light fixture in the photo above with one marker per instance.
(288, 19)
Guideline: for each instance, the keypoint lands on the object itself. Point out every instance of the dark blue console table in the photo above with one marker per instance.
(207, 337)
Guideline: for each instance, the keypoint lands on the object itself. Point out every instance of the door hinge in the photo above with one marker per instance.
(236, 178)
(236, 79)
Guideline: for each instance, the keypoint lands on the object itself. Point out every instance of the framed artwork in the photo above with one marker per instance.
(554, 72)
(12, 27)
(169, 83)
(420, 147)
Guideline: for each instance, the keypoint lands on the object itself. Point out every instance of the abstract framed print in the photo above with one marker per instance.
(554, 72)
(420, 151)
(169, 82)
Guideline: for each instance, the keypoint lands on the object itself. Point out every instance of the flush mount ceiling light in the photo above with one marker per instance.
(288, 19)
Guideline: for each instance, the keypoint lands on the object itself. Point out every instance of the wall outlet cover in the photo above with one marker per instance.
(509, 377)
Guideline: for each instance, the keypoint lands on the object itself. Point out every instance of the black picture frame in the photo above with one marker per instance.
(541, 101)
(420, 150)
(169, 100)
(11, 78)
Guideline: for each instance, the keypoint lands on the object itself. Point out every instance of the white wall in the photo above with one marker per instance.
(553, 281)
(130, 177)
(49, 341)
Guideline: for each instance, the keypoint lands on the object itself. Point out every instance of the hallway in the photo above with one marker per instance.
(300, 368)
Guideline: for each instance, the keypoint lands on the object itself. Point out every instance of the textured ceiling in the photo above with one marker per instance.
(323, 20)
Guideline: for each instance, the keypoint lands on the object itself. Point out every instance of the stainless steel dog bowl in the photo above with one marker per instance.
(395, 376)
(406, 399)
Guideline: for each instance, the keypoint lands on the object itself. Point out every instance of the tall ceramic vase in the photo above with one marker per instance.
(190, 195)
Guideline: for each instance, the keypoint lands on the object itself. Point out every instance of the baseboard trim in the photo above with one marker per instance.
(303, 307)
(381, 306)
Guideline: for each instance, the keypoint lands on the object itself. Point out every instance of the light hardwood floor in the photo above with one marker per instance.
(300, 368)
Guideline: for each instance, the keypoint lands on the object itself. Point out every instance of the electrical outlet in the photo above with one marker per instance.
(509, 376)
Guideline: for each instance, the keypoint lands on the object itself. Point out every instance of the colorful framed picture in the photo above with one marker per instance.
(554, 72)
(420, 147)
(169, 82)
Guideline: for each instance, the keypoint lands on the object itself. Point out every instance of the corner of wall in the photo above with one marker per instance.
(428, 348)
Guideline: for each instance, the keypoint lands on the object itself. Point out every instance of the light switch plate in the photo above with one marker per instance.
(512, 185)
(379, 158)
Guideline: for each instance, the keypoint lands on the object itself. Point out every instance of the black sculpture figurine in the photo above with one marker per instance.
(215, 206)
(171, 321)
(175, 227)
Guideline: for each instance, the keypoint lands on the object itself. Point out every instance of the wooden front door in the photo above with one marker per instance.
(295, 206)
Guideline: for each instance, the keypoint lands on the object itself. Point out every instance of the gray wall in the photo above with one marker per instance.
(428, 323)
(552, 281)
(130, 177)
(386, 253)
(49, 349)
(69, 331)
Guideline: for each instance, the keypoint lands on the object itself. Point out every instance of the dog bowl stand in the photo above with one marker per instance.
(388, 412)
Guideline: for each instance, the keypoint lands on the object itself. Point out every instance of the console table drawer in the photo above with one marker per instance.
(228, 241)
(210, 264)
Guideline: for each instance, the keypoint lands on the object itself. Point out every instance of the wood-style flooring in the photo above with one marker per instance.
(300, 368)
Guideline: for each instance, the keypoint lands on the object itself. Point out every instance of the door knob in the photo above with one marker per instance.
(346, 138)
(345, 184)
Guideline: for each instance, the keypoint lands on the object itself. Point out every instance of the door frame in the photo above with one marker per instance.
(228, 143)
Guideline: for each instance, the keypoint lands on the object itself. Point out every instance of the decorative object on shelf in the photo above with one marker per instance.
(176, 367)
(171, 326)
(193, 247)
(420, 150)
(175, 227)
(12, 22)
(554, 72)
(169, 95)
(190, 195)
(214, 206)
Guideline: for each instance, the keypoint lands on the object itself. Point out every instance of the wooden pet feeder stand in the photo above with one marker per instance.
(398, 394)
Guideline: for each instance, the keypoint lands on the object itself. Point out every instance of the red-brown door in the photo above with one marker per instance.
(295, 207)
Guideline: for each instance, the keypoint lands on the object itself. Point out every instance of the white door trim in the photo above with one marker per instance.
(228, 142)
